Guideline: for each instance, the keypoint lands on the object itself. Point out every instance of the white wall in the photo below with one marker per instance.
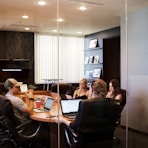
(134, 70)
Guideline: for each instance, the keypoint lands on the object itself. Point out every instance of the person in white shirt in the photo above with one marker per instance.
(22, 106)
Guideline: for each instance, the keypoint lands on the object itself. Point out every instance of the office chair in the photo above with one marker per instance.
(121, 106)
(94, 125)
(14, 131)
(64, 88)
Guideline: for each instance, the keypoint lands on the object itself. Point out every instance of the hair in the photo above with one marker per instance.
(116, 86)
(84, 80)
(8, 84)
(99, 88)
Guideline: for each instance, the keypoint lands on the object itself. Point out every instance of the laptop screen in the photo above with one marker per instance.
(48, 103)
(70, 106)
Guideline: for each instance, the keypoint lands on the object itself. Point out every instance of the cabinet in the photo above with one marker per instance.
(93, 61)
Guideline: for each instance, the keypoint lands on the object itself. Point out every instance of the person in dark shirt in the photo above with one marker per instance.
(98, 91)
(83, 91)
(114, 92)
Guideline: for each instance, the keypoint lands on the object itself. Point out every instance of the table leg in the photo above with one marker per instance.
(54, 136)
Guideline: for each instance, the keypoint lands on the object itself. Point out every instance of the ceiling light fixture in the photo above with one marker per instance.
(41, 3)
(60, 20)
(54, 30)
(25, 16)
(79, 32)
(83, 8)
(27, 28)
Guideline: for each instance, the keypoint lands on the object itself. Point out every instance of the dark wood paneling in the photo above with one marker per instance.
(111, 56)
(20, 46)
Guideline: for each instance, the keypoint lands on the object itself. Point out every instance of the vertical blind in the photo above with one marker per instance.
(65, 62)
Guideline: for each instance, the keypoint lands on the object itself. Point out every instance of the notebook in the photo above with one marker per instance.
(70, 107)
(47, 106)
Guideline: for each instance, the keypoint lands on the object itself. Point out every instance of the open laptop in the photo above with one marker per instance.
(70, 107)
(47, 106)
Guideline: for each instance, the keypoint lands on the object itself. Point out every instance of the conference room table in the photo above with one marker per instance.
(55, 128)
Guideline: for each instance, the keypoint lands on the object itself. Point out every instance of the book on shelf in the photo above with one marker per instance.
(91, 59)
(96, 59)
(86, 60)
(89, 74)
(97, 73)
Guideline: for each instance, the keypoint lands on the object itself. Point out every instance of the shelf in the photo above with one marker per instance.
(98, 48)
(93, 64)
(19, 60)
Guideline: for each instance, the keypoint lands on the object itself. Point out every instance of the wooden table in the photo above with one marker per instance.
(54, 127)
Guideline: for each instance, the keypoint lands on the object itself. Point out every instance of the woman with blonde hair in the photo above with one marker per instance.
(83, 91)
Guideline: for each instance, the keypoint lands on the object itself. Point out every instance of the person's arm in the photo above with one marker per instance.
(28, 108)
(119, 97)
(61, 119)
(75, 94)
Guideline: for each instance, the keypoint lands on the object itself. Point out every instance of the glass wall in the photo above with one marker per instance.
(83, 38)
(87, 18)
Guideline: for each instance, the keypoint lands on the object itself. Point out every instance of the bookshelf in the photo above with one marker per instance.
(93, 61)
(106, 55)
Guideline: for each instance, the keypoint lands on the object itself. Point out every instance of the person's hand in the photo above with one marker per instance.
(61, 119)
(29, 93)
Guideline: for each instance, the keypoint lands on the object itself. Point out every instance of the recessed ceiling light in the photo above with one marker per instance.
(79, 32)
(54, 30)
(83, 8)
(60, 20)
(25, 16)
(27, 28)
(41, 3)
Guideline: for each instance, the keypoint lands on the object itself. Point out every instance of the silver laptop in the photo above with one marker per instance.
(47, 106)
(70, 107)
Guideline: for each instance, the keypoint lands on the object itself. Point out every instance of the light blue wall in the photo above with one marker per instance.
(134, 69)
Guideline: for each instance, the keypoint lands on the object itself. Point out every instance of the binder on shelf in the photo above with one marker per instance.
(93, 43)
(89, 74)
(86, 60)
(96, 59)
(97, 73)
(91, 59)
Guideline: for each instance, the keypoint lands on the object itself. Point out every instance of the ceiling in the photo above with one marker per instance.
(100, 15)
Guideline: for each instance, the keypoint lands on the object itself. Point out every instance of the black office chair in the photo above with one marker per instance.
(64, 88)
(13, 131)
(94, 125)
(121, 106)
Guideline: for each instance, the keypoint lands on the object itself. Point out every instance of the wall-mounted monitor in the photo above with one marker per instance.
(93, 43)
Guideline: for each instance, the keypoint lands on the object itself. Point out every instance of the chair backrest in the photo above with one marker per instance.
(63, 87)
(96, 118)
(123, 102)
(7, 114)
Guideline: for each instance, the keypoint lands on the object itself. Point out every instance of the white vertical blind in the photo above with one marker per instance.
(71, 58)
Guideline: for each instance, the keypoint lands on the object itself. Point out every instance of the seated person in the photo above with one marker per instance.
(22, 107)
(82, 92)
(114, 92)
(98, 91)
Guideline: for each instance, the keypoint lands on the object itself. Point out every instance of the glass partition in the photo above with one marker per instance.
(91, 20)
(77, 39)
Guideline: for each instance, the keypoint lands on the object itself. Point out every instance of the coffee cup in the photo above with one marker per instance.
(38, 104)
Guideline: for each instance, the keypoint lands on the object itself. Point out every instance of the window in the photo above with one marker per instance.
(65, 62)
